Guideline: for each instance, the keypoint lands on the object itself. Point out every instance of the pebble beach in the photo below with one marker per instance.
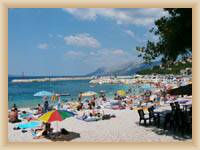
(123, 128)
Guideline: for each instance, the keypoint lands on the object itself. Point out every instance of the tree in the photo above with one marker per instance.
(175, 37)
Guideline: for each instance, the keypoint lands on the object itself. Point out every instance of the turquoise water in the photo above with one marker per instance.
(21, 94)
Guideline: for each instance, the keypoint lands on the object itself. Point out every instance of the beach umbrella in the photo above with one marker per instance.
(55, 115)
(43, 93)
(121, 92)
(182, 90)
(89, 93)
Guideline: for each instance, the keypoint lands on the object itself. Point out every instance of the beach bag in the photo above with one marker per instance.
(64, 131)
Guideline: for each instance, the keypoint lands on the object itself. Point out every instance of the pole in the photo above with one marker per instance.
(57, 126)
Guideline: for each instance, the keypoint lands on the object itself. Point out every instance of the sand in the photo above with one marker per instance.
(123, 128)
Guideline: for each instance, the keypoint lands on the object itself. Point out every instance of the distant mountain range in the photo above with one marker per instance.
(124, 69)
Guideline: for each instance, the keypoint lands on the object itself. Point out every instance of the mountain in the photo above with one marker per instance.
(124, 69)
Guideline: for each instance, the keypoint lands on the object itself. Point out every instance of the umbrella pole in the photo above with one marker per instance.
(57, 126)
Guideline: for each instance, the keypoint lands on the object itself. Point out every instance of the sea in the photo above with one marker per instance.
(21, 94)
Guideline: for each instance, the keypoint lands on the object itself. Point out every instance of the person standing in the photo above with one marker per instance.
(59, 103)
(46, 105)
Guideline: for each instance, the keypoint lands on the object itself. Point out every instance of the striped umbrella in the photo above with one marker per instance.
(55, 115)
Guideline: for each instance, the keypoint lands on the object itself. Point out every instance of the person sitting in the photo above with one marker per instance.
(44, 130)
(92, 102)
(104, 99)
(80, 106)
(13, 116)
(38, 132)
(90, 105)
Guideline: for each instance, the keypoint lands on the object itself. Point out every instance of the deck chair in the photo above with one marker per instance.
(143, 117)
(154, 116)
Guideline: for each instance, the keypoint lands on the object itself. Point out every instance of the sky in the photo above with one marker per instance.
(72, 41)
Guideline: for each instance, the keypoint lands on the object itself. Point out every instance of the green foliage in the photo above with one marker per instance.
(171, 69)
(175, 37)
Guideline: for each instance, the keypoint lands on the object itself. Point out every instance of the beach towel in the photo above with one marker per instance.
(31, 124)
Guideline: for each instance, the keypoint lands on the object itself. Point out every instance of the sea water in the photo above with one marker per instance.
(21, 94)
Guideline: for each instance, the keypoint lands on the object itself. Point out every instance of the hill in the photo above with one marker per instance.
(123, 69)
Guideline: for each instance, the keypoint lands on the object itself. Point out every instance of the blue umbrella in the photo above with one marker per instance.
(43, 93)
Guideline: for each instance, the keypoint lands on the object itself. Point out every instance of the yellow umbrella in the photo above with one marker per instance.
(121, 92)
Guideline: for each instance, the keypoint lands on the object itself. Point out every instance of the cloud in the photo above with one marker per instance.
(82, 40)
(109, 57)
(105, 57)
(73, 54)
(135, 16)
(118, 52)
(130, 33)
(43, 46)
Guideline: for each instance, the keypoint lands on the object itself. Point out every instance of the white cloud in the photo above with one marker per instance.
(106, 57)
(109, 57)
(43, 46)
(130, 33)
(136, 16)
(118, 52)
(73, 54)
(82, 40)
(83, 14)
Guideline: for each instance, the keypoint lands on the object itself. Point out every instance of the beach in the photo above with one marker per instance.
(123, 128)
(124, 106)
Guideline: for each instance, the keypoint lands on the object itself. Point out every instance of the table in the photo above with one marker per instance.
(161, 112)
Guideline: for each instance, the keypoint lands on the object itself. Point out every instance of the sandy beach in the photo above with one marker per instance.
(123, 128)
